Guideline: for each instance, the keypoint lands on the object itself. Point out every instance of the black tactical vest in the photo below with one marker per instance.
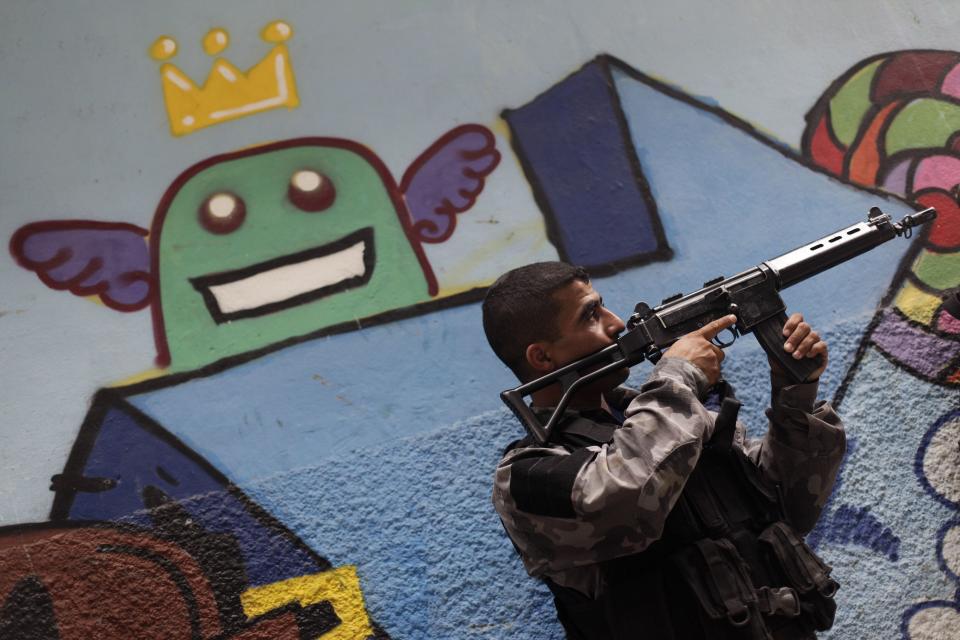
(726, 566)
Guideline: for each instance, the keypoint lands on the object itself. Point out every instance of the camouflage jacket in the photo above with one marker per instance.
(568, 509)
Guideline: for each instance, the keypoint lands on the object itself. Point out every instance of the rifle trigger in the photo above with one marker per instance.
(734, 334)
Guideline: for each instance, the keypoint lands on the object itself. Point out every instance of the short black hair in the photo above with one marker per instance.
(520, 309)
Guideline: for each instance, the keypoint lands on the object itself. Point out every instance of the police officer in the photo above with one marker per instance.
(646, 514)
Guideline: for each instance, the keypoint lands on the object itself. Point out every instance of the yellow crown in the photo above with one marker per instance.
(228, 93)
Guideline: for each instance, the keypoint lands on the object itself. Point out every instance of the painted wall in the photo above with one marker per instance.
(247, 391)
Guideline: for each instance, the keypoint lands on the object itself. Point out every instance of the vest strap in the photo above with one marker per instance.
(726, 424)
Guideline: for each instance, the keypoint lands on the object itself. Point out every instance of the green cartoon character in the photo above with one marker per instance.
(251, 248)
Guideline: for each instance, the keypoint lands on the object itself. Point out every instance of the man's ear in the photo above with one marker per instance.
(539, 358)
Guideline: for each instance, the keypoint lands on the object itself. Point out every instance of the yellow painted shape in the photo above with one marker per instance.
(523, 244)
(340, 587)
(228, 93)
(163, 48)
(277, 31)
(216, 41)
(916, 304)
(149, 374)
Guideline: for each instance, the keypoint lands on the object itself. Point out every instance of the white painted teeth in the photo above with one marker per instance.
(289, 281)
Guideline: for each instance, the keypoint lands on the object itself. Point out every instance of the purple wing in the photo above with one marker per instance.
(109, 260)
(447, 178)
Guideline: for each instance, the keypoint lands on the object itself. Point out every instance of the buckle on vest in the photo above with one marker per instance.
(782, 601)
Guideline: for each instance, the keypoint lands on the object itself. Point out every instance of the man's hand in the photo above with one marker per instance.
(802, 342)
(697, 348)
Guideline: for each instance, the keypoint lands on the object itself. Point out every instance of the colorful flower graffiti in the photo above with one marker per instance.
(892, 122)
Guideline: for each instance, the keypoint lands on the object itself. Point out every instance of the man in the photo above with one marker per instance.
(646, 515)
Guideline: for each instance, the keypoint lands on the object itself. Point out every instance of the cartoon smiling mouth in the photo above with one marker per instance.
(289, 281)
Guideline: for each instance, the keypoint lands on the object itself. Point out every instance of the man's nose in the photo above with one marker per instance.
(614, 324)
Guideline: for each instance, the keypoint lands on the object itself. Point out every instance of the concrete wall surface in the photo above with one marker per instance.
(247, 391)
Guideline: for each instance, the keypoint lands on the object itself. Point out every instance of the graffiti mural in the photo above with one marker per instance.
(889, 123)
(312, 456)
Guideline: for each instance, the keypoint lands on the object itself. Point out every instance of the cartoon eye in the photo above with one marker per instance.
(222, 213)
(311, 191)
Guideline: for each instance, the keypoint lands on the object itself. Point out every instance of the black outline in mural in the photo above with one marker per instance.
(203, 283)
(931, 490)
(742, 125)
(806, 142)
(394, 315)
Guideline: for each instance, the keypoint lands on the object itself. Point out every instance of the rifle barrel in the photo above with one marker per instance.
(829, 251)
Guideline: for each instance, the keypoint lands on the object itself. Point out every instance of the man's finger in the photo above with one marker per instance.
(819, 349)
(791, 323)
(812, 338)
(796, 337)
(710, 331)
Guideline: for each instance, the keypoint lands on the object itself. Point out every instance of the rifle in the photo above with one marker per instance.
(753, 296)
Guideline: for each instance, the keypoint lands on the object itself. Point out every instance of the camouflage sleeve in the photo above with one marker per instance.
(566, 510)
(801, 451)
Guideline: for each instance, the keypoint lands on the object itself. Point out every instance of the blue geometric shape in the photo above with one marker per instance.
(574, 148)
(130, 453)
(329, 397)
(850, 524)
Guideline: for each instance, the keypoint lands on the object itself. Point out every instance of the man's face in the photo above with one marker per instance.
(584, 325)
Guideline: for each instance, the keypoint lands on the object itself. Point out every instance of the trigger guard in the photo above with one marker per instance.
(723, 345)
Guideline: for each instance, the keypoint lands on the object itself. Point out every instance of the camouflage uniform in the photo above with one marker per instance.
(570, 509)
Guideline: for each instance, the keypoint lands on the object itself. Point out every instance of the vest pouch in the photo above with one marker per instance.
(720, 581)
(803, 570)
